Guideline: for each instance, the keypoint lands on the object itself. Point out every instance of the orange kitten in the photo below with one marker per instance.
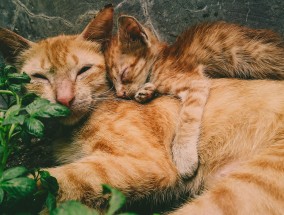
(139, 65)
(127, 145)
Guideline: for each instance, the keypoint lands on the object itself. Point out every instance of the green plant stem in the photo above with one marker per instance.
(6, 151)
(13, 126)
(8, 92)
(6, 143)
(4, 158)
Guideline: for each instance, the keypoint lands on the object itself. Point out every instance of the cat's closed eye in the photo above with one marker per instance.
(39, 76)
(84, 69)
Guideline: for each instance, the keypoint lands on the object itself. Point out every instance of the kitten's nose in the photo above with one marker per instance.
(121, 94)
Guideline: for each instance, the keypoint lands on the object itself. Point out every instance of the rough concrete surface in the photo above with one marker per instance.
(36, 19)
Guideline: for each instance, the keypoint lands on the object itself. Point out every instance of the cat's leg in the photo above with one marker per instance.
(82, 180)
(145, 93)
(184, 147)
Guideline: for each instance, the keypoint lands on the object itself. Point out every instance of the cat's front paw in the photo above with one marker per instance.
(145, 93)
(186, 159)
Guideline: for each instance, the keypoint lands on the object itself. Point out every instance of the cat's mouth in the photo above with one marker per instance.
(72, 119)
(77, 113)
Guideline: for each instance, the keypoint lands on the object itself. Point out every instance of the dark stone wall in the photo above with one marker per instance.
(36, 19)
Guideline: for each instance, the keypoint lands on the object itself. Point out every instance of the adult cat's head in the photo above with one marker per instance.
(131, 55)
(66, 69)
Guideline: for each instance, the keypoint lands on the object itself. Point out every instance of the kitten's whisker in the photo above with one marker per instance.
(107, 91)
(128, 97)
(113, 99)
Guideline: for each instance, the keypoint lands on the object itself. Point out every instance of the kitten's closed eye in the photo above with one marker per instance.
(124, 76)
(39, 76)
(84, 69)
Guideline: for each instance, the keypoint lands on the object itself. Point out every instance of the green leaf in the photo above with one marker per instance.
(15, 87)
(19, 187)
(14, 173)
(1, 150)
(3, 80)
(43, 108)
(11, 116)
(9, 69)
(14, 120)
(34, 127)
(28, 98)
(1, 195)
(18, 78)
(50, 202)
(12, 111)
(53, 110)
(130, 213)
(44, 174)
(73, 208)
(117, 199)
(37, 105)
(49, 182)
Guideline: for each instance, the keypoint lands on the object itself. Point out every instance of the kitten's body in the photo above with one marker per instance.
(213, 50)
(127, 145)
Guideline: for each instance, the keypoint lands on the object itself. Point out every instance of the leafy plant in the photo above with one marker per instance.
(20, 116)
(115, 203)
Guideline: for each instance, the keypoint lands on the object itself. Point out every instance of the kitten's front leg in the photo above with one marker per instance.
(184, 147)
(145, 93)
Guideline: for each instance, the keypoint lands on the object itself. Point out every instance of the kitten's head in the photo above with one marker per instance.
(130, 56)
(66, 69)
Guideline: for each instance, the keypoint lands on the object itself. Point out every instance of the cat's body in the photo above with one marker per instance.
(213, 50)
(241, 152)
(127, 145)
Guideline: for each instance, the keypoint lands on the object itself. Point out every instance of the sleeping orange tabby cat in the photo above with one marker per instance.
(140, 65)
(127, 145)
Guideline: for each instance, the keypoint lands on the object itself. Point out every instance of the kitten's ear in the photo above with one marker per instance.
(12, 44)
(130, 30)
(100, 28)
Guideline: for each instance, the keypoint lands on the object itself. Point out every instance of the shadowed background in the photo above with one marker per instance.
(36, 19)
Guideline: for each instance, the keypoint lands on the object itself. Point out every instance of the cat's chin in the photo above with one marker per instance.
(71, 120)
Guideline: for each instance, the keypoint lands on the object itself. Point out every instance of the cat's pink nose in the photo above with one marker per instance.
(66, 101)
(65, 92)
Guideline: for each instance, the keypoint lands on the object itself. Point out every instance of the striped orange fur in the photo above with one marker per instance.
(216, 50)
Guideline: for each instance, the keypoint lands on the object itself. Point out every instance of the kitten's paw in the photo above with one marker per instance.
(145, 93)
(186, 160)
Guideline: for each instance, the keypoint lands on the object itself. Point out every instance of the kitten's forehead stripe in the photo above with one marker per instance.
(52, 70)
(75, 58)
(101, 67)
(42, 63)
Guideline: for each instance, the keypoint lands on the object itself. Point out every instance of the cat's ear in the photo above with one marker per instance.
(100, 28)
(12, 44)
(130, 30)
